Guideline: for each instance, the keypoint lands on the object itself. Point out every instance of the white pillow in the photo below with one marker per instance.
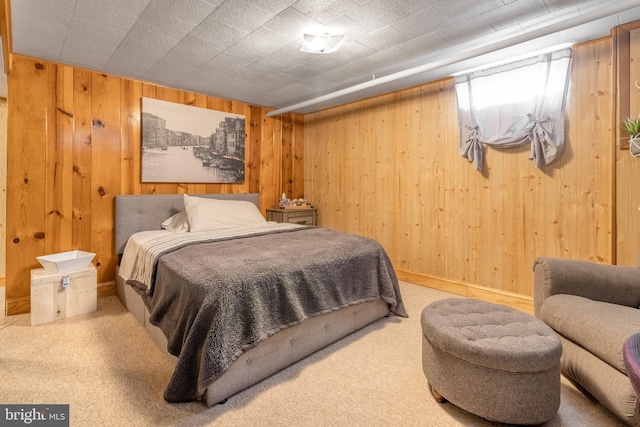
(212, 214)
(177, 223)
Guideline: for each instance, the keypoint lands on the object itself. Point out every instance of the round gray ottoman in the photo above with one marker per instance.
(491, 360)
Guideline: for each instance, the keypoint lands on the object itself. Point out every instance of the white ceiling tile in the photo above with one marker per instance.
(303, 71)
(378, 14)
(560, 4)
(132, 56)
(296, 91)
(323, 63)
(326, 11)
(241, 14)
(248, 50)
(349, 52)
(466, 8)
(35, 36)
(250, 76)
(192, 11)
(587, 5)
(290, 55)
(519, 11)
(421, 23)
(273, 6)
(415, 6)
(92, 60)
(480, 41)
(195, 51)
(216, 3)
(167, 72)
(240, 56)
(477, 26)
(217, 32)
(265, 40)
(222, 66)
(89, 36)
(352, 29)
(157, 22)
(383, 38)
(388, 61)
(346, 75)
(155, 43)
(424, 44)
(292, 23)
(130, 6)
(51, 10)
(101, 13)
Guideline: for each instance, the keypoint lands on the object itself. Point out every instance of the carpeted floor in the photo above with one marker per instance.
(111, 374)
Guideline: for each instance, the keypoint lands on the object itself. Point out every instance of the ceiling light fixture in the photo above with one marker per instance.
(321, 43)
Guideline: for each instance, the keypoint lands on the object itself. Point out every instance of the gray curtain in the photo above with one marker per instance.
(519, 103)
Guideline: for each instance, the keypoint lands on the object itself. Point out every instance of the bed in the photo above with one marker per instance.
(236, 298)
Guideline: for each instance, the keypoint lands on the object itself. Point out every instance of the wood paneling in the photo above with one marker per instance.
(74, 144)
(389, 168)
(386, 167)
(628, 168)
(5, 34)
(3, 189)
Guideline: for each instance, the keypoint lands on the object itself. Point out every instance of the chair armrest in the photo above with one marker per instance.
(600, 282)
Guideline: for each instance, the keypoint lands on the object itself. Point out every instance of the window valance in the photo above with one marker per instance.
(514, 104)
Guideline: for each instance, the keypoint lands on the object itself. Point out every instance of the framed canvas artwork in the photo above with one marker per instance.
(186, 144)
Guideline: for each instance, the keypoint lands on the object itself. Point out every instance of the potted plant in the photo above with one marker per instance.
(632, 127)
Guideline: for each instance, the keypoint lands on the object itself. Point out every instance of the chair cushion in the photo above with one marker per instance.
(599, 327)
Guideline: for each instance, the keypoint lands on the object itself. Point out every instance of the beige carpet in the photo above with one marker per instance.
(111, 374)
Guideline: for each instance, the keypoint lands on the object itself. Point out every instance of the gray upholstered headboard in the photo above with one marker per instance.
(147, 211)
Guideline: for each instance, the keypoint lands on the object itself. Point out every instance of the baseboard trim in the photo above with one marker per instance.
(521, 302)
(524, 303)
(106, 289)
(17, 305)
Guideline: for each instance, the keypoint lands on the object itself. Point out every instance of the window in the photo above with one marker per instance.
(514, 104)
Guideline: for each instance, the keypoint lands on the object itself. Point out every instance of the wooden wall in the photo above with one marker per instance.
(74, 143)
(386, 167)
(628, 170)
(389, 168)
(3, 187)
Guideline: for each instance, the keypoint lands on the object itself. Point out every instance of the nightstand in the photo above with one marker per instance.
(304, 216)
(56, 296)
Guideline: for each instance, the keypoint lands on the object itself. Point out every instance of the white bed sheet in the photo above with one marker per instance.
(144, 247)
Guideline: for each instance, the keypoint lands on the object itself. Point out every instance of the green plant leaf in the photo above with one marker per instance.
(632, 126)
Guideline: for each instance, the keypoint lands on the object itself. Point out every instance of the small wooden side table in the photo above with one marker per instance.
(304, 216)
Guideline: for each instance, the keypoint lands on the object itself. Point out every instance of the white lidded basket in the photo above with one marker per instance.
(66, 261)
(634, 146)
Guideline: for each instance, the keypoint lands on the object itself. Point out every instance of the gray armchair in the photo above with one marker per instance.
(594, 308)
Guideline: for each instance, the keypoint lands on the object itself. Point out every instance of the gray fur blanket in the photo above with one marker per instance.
(215, 300)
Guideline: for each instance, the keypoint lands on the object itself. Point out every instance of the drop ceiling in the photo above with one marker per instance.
(249, 50)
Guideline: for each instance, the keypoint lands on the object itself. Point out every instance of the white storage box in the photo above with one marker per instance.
(57, 296)
(66, 261)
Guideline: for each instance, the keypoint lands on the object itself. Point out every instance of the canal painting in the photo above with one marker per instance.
(186, 144)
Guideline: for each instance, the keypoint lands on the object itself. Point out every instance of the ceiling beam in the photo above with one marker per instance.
(5, 33)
